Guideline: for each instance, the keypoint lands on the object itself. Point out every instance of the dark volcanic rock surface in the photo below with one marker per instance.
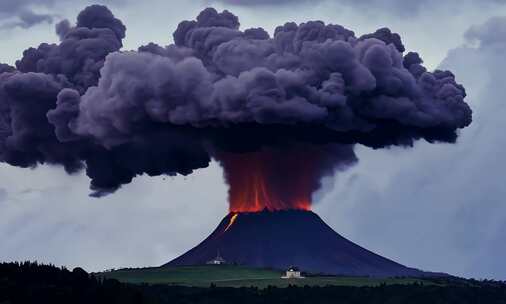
(284, 238)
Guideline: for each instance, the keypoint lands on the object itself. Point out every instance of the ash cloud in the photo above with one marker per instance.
(164, 109)
(4, 68)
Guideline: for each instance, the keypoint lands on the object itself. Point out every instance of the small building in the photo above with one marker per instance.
(292, 273)
(218, 260)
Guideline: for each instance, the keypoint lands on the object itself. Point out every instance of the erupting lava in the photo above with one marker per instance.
(277, 179)
(251, 192)
(232, 220)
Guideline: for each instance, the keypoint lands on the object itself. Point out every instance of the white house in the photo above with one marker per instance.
(218, 260)
(292, 273)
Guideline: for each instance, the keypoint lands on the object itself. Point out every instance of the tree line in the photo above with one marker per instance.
(31, 282)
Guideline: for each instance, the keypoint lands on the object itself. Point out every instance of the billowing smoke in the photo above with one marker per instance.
(288, 108)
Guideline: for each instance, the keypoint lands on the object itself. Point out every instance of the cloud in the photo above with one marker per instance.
(22, 13)
(216, 81)
(3, 194)
(448, 200)
(409, 8)
(58, 223)
(28, 13)
(265, 2)
(424, 225)
(27, 18)
(489, 34)
(392, 7)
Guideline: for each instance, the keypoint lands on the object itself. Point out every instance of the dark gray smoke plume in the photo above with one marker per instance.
(163, 110)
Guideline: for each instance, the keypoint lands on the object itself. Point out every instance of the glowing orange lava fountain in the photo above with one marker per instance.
(279, 179)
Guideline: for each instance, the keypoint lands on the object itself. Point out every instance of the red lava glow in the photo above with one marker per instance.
(271, 179)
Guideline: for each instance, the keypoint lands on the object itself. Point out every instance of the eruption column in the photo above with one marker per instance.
(280, 179)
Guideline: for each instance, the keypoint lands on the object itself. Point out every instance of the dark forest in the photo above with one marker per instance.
(35, 283)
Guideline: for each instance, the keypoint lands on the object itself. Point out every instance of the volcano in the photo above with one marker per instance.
(280, 239)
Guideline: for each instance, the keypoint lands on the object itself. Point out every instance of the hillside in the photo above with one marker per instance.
(238, 276)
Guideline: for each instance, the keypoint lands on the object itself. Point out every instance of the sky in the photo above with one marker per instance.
(435, 207)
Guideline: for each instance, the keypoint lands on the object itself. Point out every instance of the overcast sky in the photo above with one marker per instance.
(435, 207)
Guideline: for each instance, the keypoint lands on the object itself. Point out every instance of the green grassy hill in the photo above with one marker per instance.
(237, 276)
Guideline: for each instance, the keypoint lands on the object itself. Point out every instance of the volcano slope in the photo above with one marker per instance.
(280, 239)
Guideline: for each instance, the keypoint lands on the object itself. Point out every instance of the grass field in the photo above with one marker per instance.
(237, 276)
